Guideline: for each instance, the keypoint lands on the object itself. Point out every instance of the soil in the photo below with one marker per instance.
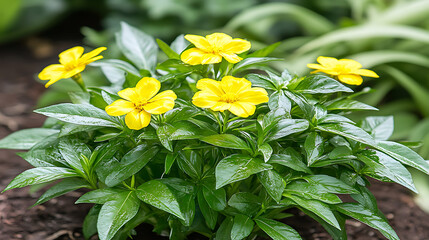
(61, 219)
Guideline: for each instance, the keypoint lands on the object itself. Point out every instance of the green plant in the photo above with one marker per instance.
(205, 170)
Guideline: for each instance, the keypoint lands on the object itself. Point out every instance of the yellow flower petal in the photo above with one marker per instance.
(242, 109)
(221, 106)
(71, 55)
(119, 108)
(315, 66)
(165, 95)
(328, 62)
(236, 45)
(253, 95)
(159, 106)
(147, 87)
(207, 84)
(365, 72)
(218, 40)
(231, 57)
(70, 73)
(349, 63)
(205, 99)
(350, 79)
(233, 85)
(52, 72)
(92, 56)
(129, 94)
(195, 56)
(199, 42)
(137, 119)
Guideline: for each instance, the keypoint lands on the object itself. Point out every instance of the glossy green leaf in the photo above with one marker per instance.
(290, 159)
(349, 131)
(62, 188)
(137, 46)
(349, 104)
(273, 183)
(277, 230)
(250, 62)
(216, 198)
(313, 147)
(320, 209)
(286, 127)
(238, 167)
(118, 64)
(226, 141)
(266, 151)
(191, 163)
(40, 175)
(330, 184)
(209, 214)
(245, 202)
(116, 213)
(224, 230)
(315, 84)
(71, 150)
(26, 138)
(279, 100)
(81, 114)
(131, 163)
(262, 81)
(371, 218)
(404, 155)
(381, 128)
(157, 194)
(311, 191)
(89, 227)
(263, 52)
(242, 227)
(100, 196)
(167, 50)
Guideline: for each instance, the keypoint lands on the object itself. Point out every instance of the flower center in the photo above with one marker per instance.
(228, 98)
(341, 69)
(140, 105)
(70, 66)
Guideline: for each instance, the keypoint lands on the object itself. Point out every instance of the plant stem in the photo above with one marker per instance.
(78, 79)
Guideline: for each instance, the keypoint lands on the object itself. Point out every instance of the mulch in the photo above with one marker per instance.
(61, 219)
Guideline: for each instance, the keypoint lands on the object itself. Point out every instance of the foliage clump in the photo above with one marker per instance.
(222, 149)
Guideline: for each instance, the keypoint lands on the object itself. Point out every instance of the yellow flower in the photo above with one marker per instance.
(142, 101)
(213, 47)
(72, 62)
(347, 70)
(233, 94)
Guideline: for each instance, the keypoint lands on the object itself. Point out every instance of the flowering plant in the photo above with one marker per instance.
(211, 140)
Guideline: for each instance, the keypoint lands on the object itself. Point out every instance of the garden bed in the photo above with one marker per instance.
(61, 219)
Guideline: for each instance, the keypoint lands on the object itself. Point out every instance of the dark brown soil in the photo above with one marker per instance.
(61, 218)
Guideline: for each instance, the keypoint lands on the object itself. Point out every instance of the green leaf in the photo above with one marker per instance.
(157, 194)
(169, 160)
(71, 150)
(320, 209)
(167, 50)
(381, 128)
(245, 202)
(286, 127)
(81, 114)
(261, 81)
(131, 163)
(179, 44)
(118, 64)
(216, 198)
(380, 166)
(226, 141)
(349, 131)
(404, 155)
(89, 227)
(315, 84)
(70, 128)
(100, 196)
(224, 230)
(116, 213)
(313, 147)
(279, 100)
(209, 214)
(26, 139)
(238, 167)
(164, 132)
(266, 151)
(191, 163)
(349, 104)
(370, 218)
(62, 188)
(242, 227)
(311, 191)
(291, 159)
(273, 183)
(277, 230)
(137, 46)
(40, 175)
(330, 184)
(250, 62)
(182, 130)
(263, 52)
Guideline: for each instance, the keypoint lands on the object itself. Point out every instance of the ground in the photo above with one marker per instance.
(61, 219)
